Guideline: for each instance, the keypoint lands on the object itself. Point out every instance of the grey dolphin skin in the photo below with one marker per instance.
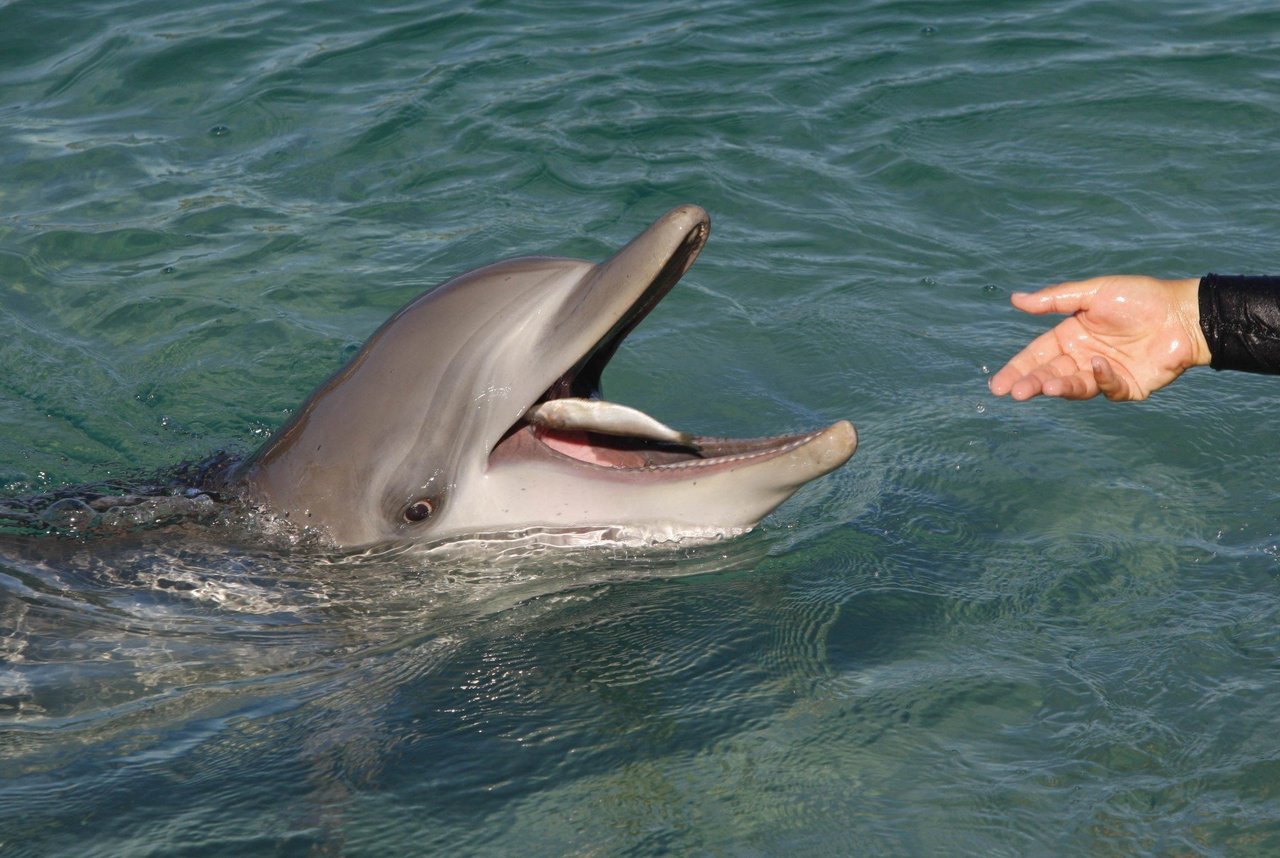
(423, 435)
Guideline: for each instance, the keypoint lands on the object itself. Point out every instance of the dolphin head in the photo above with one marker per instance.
(425, 435)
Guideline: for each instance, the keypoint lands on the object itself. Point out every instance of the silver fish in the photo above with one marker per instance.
(606, 418)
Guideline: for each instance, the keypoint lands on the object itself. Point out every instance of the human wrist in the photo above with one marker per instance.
(1188, 306)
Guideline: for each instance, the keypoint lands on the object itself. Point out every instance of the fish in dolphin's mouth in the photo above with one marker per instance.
(570, 421)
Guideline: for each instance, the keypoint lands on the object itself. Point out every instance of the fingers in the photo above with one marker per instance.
(1040, 352)
(1078, 385)
(1109, 382)
(1018, 383)
(1002, 382)
(1061, 378)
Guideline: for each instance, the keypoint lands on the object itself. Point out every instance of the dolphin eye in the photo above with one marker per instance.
(419, 510)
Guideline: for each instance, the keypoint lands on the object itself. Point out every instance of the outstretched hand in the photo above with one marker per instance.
(1127, 336)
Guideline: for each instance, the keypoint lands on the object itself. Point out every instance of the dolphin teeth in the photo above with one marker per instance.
(606, 418)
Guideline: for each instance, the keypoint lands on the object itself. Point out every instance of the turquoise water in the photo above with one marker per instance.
(1002, 629)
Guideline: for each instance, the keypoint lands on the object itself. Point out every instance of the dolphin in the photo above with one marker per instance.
(431, 432)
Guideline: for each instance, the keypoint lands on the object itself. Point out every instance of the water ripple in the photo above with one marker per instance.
(1001, 629)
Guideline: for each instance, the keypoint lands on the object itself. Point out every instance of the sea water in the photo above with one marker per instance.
(1003, 629)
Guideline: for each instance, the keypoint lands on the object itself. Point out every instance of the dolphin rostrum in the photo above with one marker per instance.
(432, 431)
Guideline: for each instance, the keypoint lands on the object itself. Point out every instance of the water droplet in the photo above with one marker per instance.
(986, 370)
(982, 409)
(219, 131)
(169, 269)
(928, 31)
(990, 288)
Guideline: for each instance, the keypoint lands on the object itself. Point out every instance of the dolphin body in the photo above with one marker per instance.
(424, 435)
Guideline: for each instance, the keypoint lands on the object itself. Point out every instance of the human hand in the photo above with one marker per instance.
(1127, 336)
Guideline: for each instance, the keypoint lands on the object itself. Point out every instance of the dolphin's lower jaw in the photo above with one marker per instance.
(575, 488)
(663, 492)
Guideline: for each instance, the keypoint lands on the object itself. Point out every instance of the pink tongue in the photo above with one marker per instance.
(576, 445)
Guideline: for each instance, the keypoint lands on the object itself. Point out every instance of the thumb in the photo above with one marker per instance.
(1067, 298)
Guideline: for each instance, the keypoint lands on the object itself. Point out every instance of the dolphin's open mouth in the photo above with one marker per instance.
(571, 423)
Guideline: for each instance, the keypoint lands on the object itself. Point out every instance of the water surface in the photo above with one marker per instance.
(1003, 629)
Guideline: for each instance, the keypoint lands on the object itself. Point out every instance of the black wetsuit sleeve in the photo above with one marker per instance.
(1240, 317)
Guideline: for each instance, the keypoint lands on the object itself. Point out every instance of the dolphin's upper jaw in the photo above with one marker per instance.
(583, 379)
